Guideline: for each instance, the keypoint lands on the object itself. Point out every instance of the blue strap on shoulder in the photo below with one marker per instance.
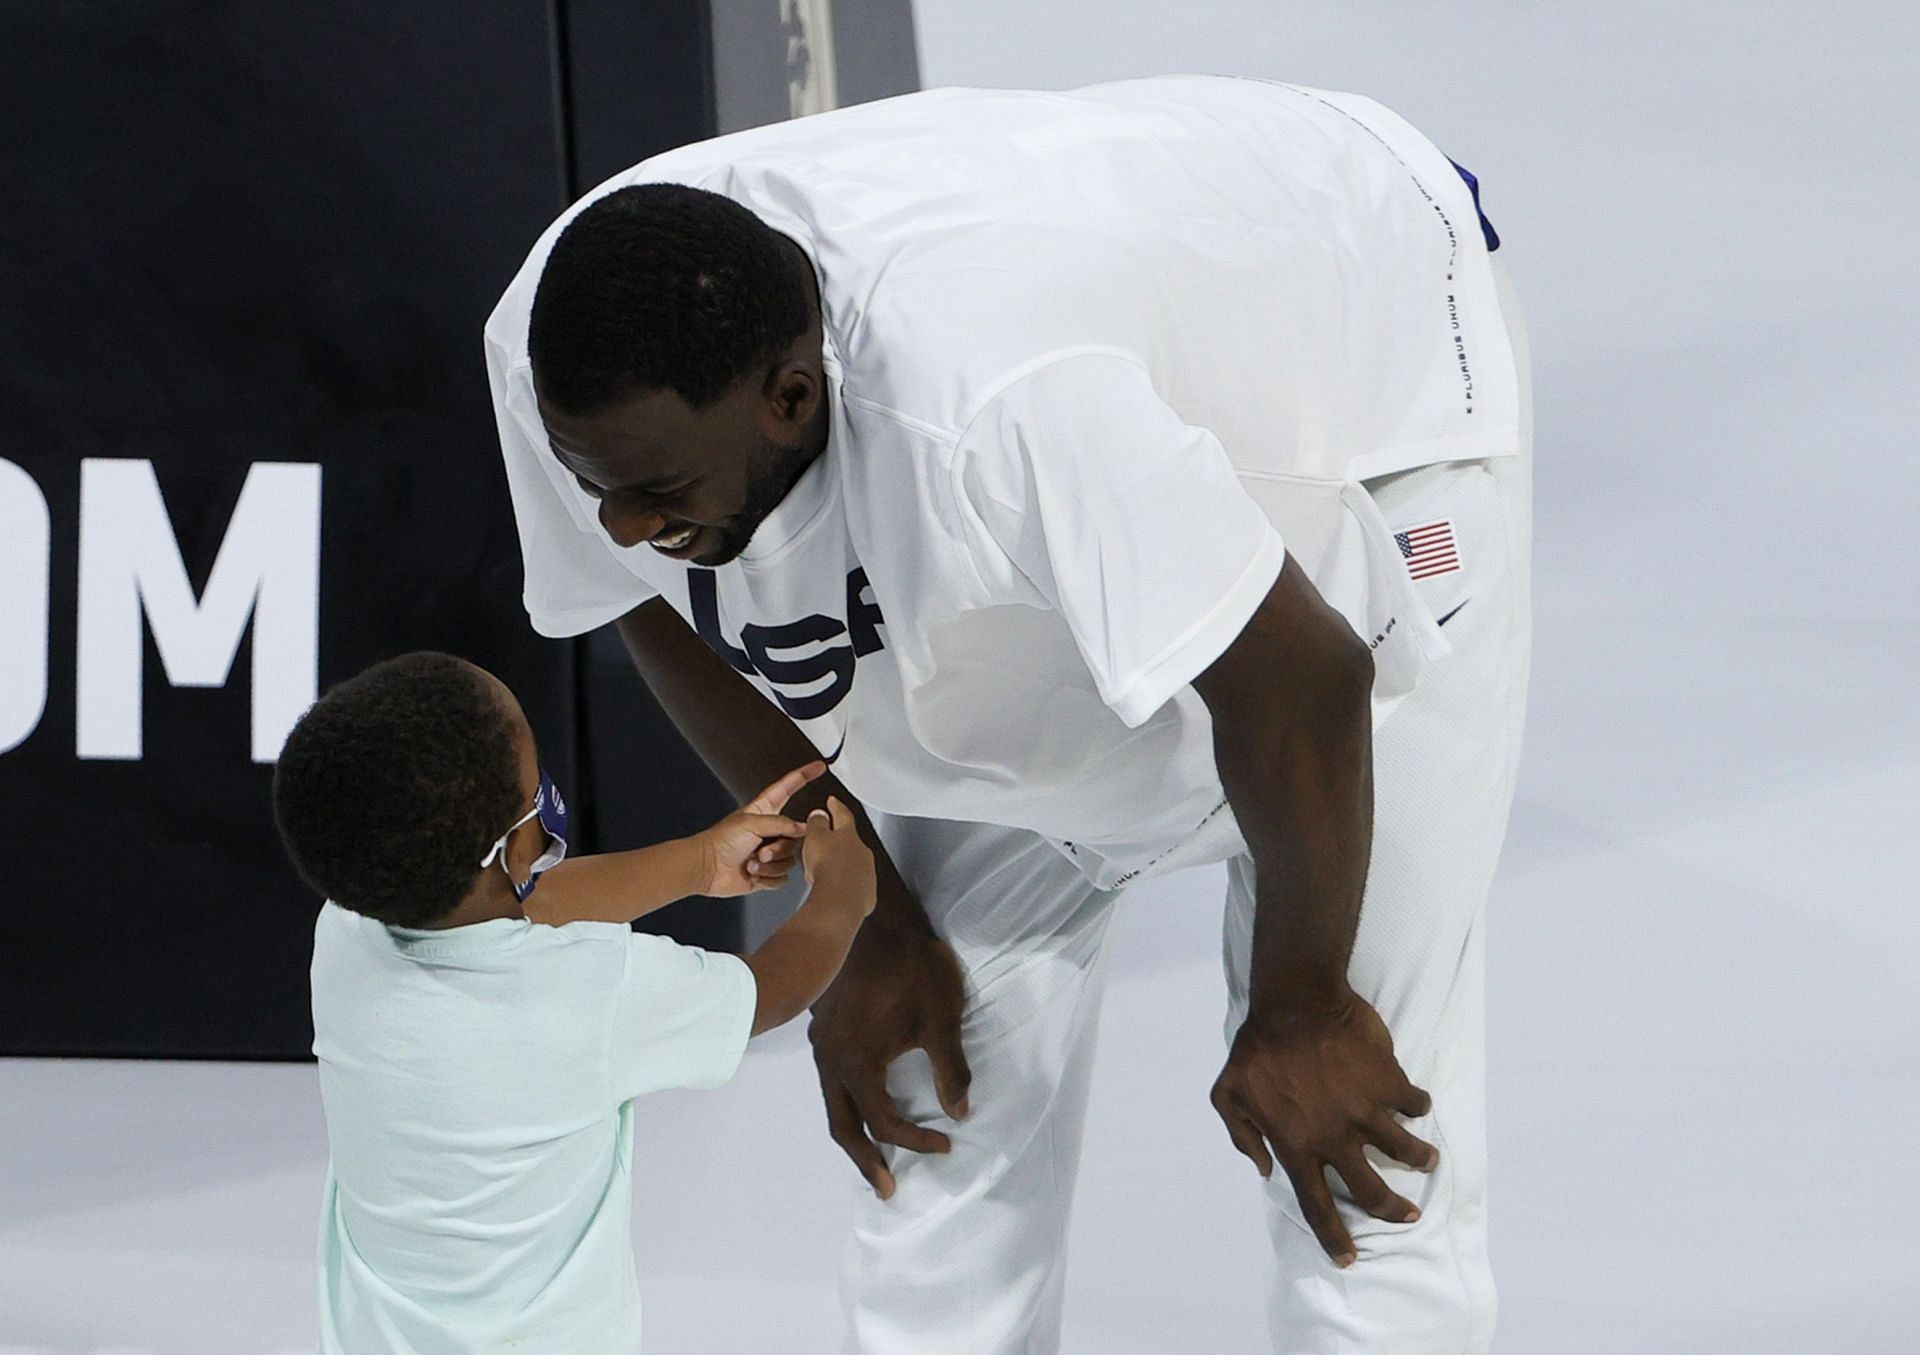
(1473, 186)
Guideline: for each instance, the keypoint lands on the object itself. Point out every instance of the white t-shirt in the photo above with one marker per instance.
(1090, 356)
(479, 1085)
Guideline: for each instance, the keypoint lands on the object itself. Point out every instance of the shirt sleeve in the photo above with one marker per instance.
(574, 582)
(1080, 485)
(681, 1017)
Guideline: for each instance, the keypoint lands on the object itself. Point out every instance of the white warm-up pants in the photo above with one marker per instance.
(969, 1256)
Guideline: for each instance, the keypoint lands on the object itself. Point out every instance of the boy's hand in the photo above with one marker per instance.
(833, 851)
(753, 848)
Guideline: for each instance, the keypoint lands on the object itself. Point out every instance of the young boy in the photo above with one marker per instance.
(484, 1017)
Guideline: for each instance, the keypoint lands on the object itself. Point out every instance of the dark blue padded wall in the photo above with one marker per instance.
(246, 449)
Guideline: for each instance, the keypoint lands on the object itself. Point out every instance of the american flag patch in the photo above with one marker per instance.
(1429, 549)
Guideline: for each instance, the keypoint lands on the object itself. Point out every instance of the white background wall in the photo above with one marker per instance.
(1706, 939)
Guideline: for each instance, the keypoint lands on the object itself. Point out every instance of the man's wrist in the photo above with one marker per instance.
(1296, 991)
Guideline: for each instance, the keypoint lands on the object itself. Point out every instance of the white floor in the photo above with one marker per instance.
(1706, 938)
(1704, 1091)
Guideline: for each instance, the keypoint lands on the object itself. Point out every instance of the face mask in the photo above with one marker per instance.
(551, 810)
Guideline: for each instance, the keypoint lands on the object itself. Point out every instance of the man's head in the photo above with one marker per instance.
(675, 342)
(394, 785)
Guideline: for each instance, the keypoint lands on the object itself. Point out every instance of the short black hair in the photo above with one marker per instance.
(662, 287)
(395, 783)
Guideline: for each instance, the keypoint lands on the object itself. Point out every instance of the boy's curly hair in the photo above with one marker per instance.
(393, 785)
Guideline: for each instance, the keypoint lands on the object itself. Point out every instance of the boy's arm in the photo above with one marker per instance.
(619, 886)
(725, 860)
(796, 963)
(681, 1016)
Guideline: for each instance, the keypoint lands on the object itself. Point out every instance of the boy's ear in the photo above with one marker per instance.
(524, 846)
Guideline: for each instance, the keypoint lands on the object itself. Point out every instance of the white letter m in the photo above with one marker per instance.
(267, 571)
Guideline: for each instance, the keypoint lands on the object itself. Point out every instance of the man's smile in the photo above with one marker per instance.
(674, 539)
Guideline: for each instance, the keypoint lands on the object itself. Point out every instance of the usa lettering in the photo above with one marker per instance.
(796, 657)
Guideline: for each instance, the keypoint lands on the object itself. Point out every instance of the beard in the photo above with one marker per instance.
(776, 470)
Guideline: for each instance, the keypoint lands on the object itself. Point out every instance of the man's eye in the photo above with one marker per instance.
(634, 495)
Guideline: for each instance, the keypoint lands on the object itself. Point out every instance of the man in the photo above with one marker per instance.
(1086, 476)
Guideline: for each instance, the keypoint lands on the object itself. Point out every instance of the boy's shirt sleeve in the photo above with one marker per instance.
(681, 1017)
(1085, 490)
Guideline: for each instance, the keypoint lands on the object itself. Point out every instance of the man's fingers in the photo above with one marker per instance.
(838, 813)
(888, 1125)
(843, 1123)
(766, 878)
(1412, 1102)
(1371, 1193)
(770, 800)
(1245, 1133)
(951, 1075)
(1392, 1138)
(1248, 1140)
(1316, 1205)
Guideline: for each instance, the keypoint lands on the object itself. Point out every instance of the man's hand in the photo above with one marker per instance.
(1319, 1088)
(900, 989)
(753, 848)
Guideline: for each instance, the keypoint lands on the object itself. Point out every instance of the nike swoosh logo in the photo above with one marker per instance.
(828, 759)
(1441, 622)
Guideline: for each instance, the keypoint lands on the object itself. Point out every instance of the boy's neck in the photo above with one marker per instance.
(490, 899)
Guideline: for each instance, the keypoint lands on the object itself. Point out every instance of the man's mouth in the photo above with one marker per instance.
(676, 540)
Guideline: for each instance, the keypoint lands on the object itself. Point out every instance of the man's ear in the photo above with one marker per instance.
(794, 389)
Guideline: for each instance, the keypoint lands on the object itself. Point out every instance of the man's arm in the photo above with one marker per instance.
(1312, 1072)
(900, 988)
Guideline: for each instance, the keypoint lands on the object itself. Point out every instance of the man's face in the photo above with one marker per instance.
(694, 484)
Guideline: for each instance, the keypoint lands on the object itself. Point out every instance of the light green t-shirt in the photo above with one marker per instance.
(479, 1085)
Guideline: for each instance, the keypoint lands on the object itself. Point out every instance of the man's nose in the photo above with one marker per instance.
(630, 527)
